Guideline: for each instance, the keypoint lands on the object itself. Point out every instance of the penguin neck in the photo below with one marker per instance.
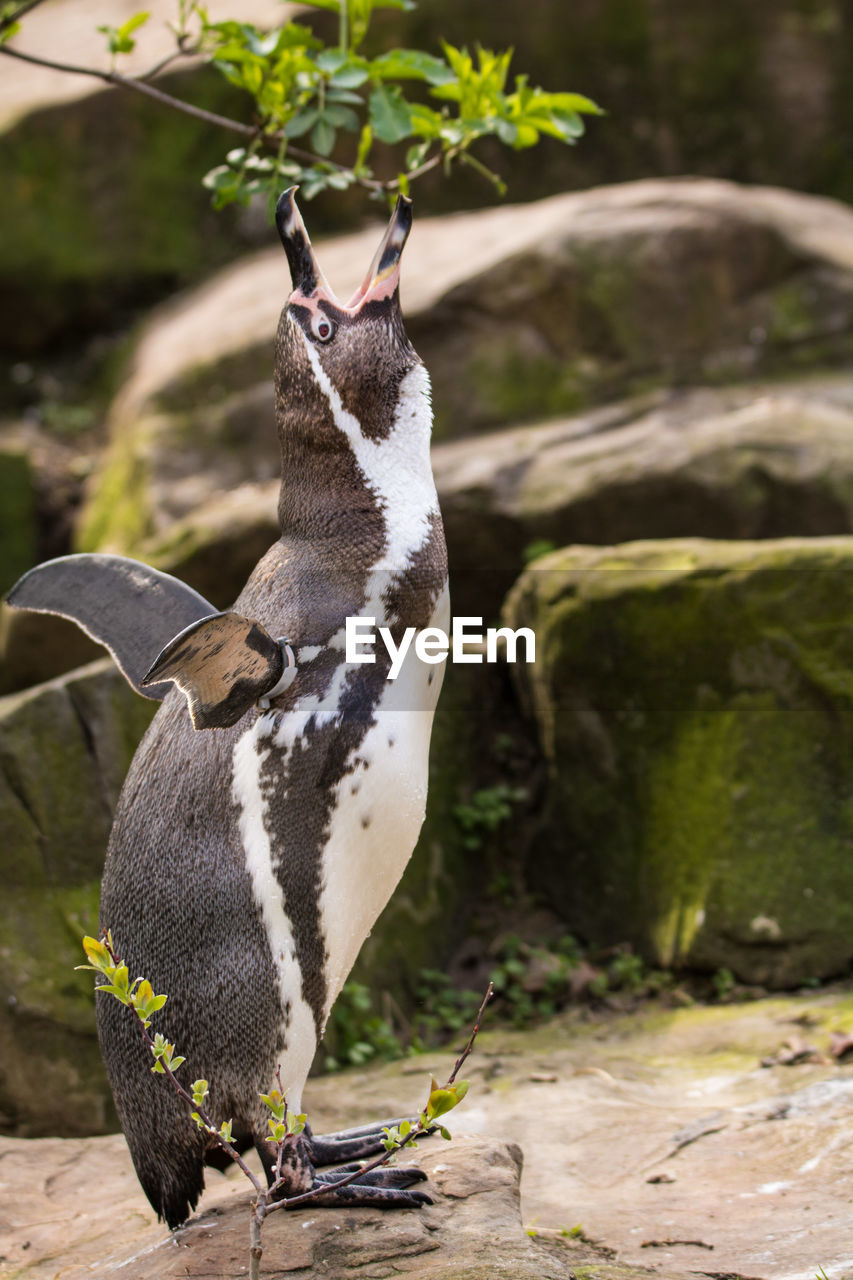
(372, 493)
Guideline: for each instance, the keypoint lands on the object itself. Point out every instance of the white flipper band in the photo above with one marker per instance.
(287, 677)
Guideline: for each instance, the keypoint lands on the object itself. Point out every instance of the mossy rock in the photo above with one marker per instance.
(161, 469)
(518, 313)
(634, 288)
(694, 701)
(104, 211)
(64, 749)
(760, 460)
(18, 526)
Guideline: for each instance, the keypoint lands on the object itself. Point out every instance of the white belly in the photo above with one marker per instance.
(376, 817)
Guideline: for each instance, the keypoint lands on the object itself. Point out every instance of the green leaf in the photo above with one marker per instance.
(323, 136)
(417, 153)
(411, 64)
(344, 95)
(390, 114)
(274, 1102)
(426, 123)
(301, 124)
(120, 39)
(444, 1100)
(111, 989)
(341, 118)
(527, 136)
(260, 44)
(351, 77)
(97, 954)
(575, 102)
(506, 131)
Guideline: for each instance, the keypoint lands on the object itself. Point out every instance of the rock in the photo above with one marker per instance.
(517, 312)
(17, 516)
(64, 750)
(84, 242)
(751, 461)
(610, 1186)
(694, 705)
(757, 460)
(217, 545)
(35, 647)
(472, 1232)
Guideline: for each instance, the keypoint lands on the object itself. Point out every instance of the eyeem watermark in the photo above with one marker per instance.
(433, 645)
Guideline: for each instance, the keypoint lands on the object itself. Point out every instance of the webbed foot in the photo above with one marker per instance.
(370, 1195)
(398, 1176)
(381, 1188)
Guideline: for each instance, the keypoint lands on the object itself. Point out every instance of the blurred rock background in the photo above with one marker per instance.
(644, 450)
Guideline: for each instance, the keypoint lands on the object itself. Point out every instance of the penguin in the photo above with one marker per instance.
(278, 794)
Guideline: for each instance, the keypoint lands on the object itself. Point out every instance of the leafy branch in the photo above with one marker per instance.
(285, 1127)
(338, 98)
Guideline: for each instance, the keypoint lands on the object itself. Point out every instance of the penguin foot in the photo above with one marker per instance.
(371, 1196)
(399, 1176)
(351, 1144)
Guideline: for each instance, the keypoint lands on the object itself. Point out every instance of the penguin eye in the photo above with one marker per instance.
(322, 327)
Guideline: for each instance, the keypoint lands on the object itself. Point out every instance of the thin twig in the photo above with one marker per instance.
(490, 991)
(421, 1132)
(188, 108)
(181, 52)
(12, 18)
(130, 82)
(209, 1124)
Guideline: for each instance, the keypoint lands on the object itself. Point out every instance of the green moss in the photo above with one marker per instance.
(511, 386)
(792, 316)
(695, 701)
(117, 516)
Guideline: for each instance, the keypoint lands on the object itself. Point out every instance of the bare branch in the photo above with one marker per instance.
(141, 86)
(183, 51)
(188, 108)
(490, 991)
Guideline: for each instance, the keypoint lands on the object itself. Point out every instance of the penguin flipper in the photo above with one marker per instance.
(130, 608)
(223, 664)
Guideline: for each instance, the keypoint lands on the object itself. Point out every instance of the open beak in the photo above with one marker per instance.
(382, 279)
(304, 268)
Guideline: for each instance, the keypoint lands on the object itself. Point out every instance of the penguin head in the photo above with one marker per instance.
(356, 351)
